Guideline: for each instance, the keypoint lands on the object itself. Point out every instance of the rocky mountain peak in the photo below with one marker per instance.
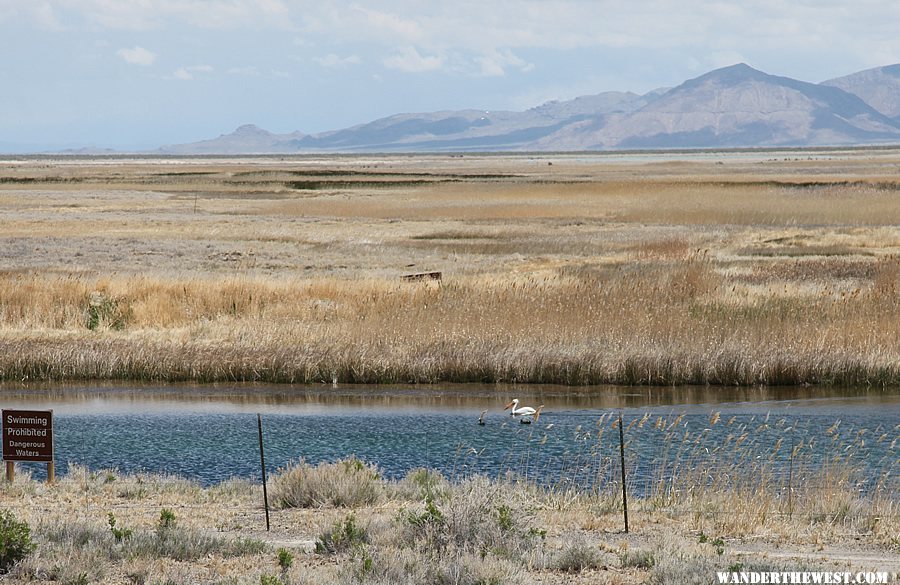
(734, 106)
(250, 130)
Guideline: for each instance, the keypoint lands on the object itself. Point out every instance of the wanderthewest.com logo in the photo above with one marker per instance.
(804, 577)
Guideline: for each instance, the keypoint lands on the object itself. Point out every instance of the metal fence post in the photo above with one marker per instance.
(262, 462)
(622, 465)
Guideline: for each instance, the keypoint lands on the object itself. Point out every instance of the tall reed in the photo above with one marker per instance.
(680, 323)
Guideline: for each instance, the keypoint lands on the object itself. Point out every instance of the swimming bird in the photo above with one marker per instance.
(516, 411)
(481, 418)
(524, 412)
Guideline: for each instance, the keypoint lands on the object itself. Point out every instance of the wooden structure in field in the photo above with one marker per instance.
(421, 276)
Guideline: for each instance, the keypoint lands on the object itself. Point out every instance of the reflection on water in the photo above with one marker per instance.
(209, 432)
(111, 397)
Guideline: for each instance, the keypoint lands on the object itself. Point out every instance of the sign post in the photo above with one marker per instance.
(28, 436)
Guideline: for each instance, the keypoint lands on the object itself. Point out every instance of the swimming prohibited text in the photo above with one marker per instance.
(28, 435)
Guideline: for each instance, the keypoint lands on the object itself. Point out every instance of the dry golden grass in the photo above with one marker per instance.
(604, 270)
(673, 323)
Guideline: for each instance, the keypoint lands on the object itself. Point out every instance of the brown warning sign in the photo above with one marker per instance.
(28, 435)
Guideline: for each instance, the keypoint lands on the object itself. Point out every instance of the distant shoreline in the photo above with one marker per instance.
(404, 154)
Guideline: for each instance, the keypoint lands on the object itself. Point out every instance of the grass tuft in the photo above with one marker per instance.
(346, 483)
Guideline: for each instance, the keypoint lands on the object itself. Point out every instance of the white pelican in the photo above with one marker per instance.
(525, 411)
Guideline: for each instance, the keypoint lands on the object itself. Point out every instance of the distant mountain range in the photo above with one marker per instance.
(736, 106)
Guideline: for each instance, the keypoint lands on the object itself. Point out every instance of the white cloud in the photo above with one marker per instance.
(472, 38)
(332, 60)
(409, 59)
(476, 29)
(188, 73)
(496, 63)
(137, 56)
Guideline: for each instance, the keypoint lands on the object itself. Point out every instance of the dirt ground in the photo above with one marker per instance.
(360, 217)
(683, 548)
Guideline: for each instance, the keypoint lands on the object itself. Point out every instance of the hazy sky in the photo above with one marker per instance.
(142, 73)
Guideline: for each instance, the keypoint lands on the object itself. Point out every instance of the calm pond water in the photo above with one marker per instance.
(209, 433)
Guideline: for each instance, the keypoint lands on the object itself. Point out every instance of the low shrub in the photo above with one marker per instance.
(422, 485)
(345, 483)
(372, 566)
(176, 543)
(167, 520)
(637, 559)
(477, 516)
(188, 545)
(105, 311)
(285, 559)
(576, 556)
(15, 540)
(120, 534)
(342, 537)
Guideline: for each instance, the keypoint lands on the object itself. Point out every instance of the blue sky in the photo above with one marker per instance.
(137, 74)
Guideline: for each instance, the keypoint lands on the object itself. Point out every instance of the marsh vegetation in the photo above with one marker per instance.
(738, 269)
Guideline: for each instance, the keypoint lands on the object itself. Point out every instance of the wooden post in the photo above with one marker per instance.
(51, 472)
(10, 471)
(622, 464)
(262, 462)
